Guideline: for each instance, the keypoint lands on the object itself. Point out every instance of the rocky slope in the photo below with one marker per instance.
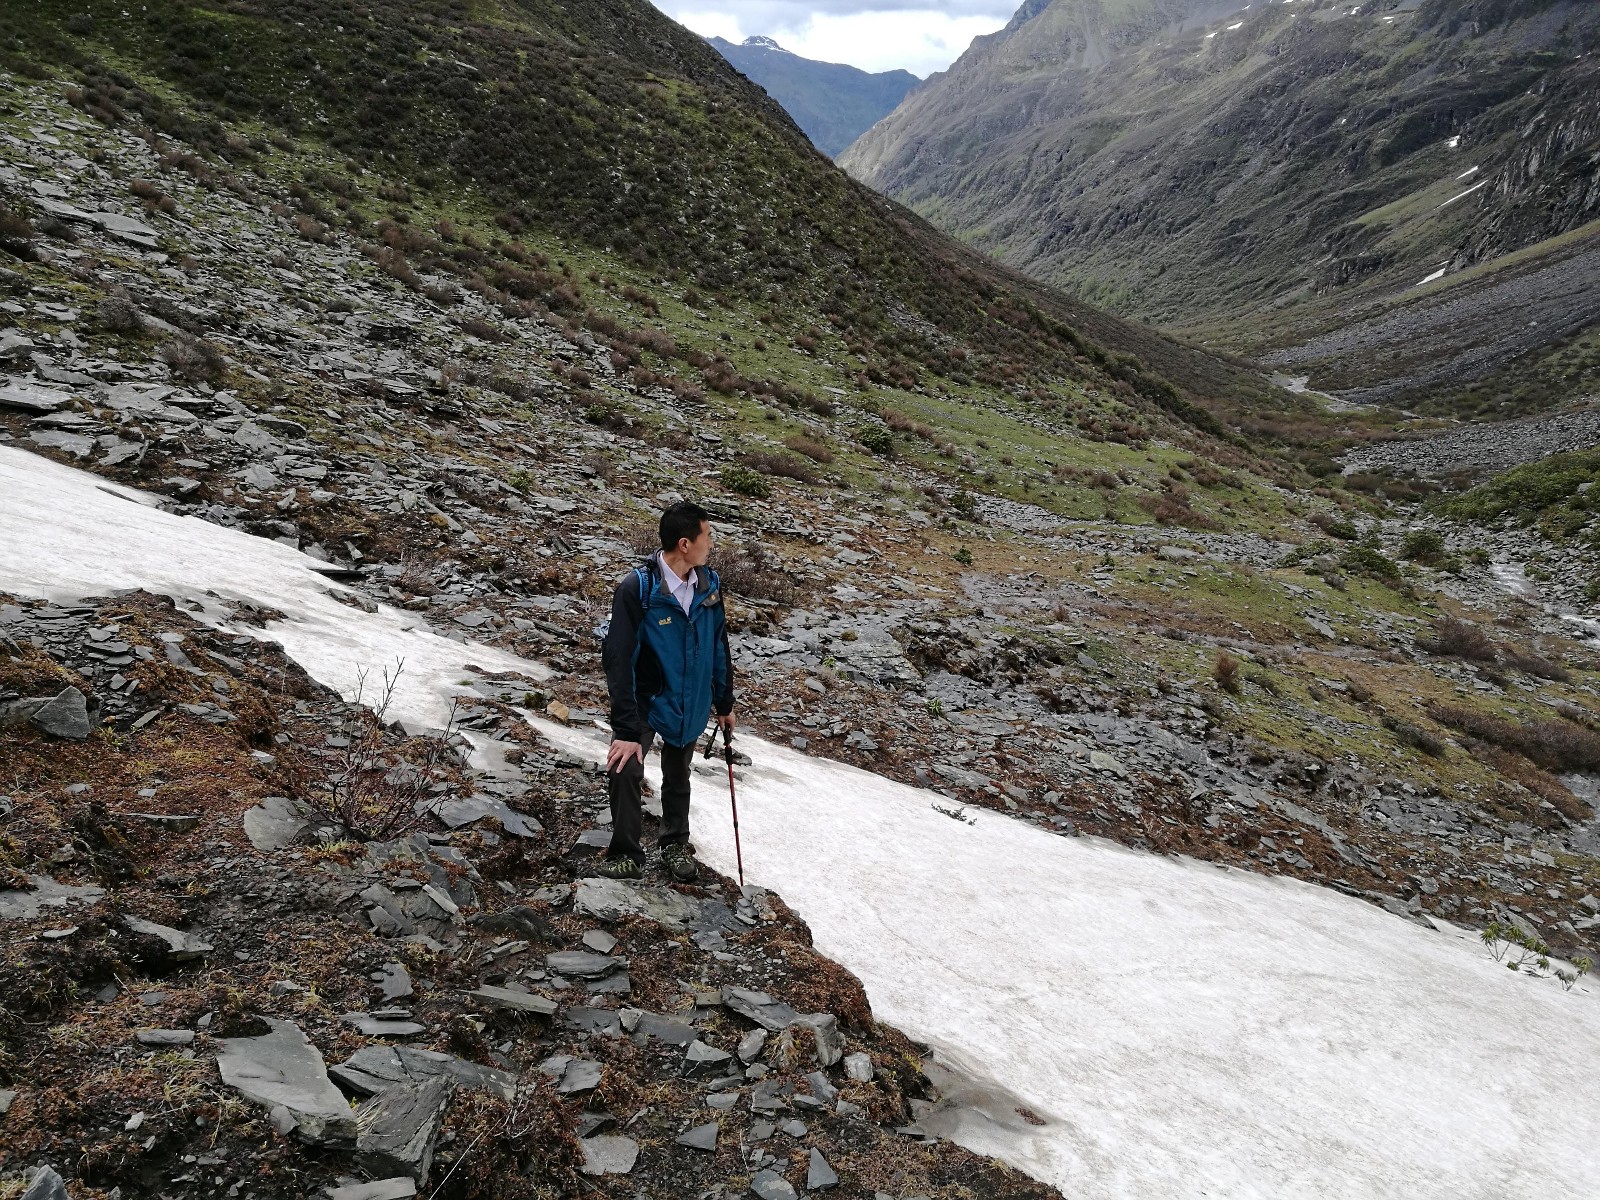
(1202, 164)
(1069, 617)
(833, 103)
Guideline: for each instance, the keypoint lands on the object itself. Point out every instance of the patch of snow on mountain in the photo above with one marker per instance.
(66, 534)
(1183, 1030)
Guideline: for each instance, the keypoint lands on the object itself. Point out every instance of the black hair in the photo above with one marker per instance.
(682, 520)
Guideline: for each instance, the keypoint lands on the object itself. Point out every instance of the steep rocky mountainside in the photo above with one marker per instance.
(968, 543)
(1202, 163)
(833, 103)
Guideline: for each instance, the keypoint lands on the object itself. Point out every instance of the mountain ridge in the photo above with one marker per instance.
(834, 103)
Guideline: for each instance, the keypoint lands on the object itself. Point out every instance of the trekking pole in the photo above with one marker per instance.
(733, 800)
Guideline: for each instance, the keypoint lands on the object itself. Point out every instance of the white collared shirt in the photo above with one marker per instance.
(682, 589)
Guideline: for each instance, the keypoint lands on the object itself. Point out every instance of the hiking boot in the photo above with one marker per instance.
(619, 868)
(679, 862)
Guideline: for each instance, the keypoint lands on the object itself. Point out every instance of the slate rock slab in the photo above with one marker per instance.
(181, 945)
(583, 964)
(46, 1184)
(818, 1173)
(393, 980)
(375, 1026)
(45, 892)
(401, 1188)
(274, 824)
(499, 997)
(701, 1137)
(456, 813)
(769, 1185)
(282, 1069)
(164, 1037)
(609, 1154)
(399, 1127)
(610, 899)
(761, 1008)
(830, 1042)
(64, 715)
(374, 1069)
(30, 397)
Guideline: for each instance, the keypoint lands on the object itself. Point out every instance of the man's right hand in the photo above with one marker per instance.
(620, 752)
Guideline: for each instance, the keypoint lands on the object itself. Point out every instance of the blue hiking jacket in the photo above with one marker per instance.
(666, 669)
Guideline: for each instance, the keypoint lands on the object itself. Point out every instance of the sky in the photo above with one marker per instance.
(920, 36)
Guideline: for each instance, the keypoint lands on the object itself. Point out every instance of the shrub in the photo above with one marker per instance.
(194, 358)
(877, 439)
(810, 447)
(1415, 736)
(1422, 545)
(480, 328)
(1555, 745)
(1458, 639)
(1364, 560)
(772, 462)
(963, 556)
(964, 503)
(752, 573)
(1225, 670)
(1332, 526)
(746, 482)
(1530, 663)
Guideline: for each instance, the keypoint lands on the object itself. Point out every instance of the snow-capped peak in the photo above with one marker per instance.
(764, 42)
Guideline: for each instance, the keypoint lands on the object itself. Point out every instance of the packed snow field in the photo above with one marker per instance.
(1180, 1029)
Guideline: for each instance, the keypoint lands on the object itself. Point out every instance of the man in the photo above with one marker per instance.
(667, 665)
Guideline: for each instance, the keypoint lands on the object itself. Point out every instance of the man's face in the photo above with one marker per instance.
(698, 551)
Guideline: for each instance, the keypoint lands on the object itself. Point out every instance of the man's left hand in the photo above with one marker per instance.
(726, 722)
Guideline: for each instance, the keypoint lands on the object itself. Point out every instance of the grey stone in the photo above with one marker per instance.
(516, 1001)
(674, 1033)
(751, 1045)
(858, 1067)
(822, 1087)
(600, 941)
(46, 1184)
(65, 715)
(581, 1075)
(164, 1037)
(8, 1097)
(583, 964)
(397, 1130)
(30, 397)
(700, 1058)
(283, 1068)
(759, 1007)
(609, 899)
(818, 1173)
(274, 824)
(701, 1137)
(172, 822)
(456, 813)
(401, 1188)
(374, 1069)
(181, 945)
(794, 1128)
(768, 1096)
(723, 1101)
(375, 1026)
(830, 1042)
(609, 1154)
(45, 893)
(769, 1185)
(393, 980)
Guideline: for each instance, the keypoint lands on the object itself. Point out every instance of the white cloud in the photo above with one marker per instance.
(920, 36)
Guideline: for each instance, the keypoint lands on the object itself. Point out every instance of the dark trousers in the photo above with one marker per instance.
(627, 812)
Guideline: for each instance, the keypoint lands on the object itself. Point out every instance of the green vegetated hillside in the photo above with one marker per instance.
(603, 168)
(1250, 172)
(832, 102)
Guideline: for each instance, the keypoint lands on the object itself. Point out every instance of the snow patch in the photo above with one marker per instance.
(1439, 274)
(1239, 25)
(1468, 173)
(1454, 142)
(1183, 1030)
(66, 534)
(1462, 195)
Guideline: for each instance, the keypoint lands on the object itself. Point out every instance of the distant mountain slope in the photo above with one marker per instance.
(834, 103)
(1195, 162)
